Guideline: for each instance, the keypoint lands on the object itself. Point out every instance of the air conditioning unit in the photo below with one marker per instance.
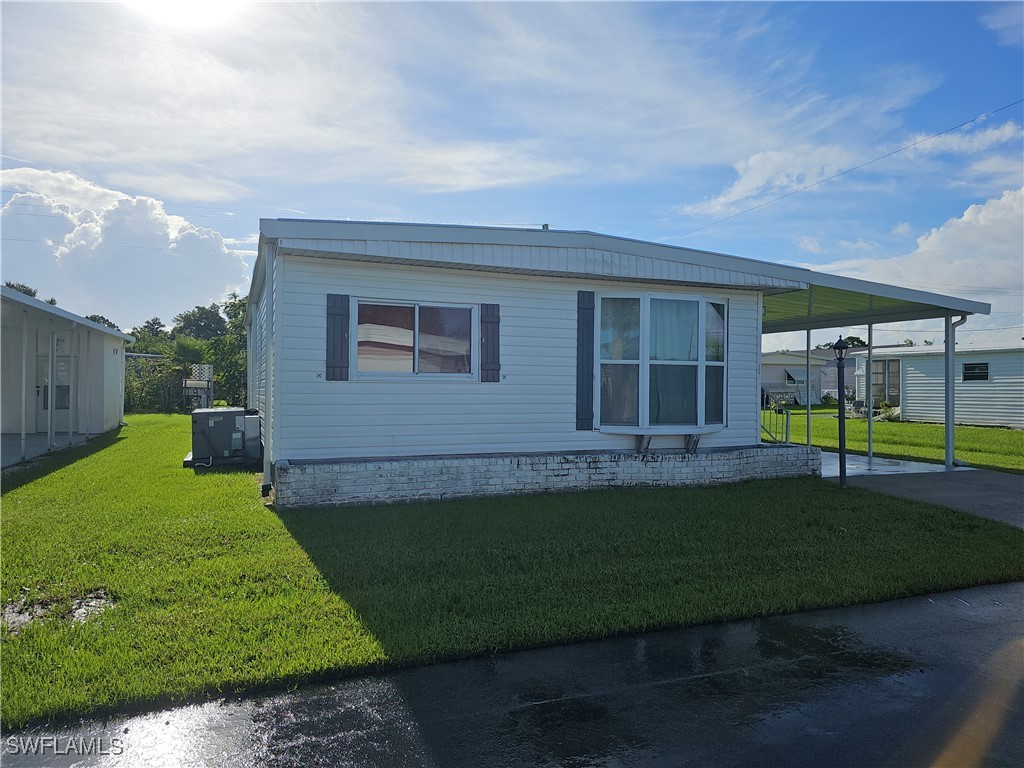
(223, 436)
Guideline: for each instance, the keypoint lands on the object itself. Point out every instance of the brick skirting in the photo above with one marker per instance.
(385, 481)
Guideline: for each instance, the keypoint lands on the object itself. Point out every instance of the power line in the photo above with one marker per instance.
(848, 170)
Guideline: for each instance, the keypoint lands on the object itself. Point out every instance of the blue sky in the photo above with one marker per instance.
(141, 148)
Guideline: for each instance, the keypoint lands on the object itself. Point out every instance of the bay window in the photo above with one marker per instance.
(661, 363)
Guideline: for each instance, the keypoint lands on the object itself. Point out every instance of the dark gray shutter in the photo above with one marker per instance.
(585, 360)
(490, 348)
(337, 337)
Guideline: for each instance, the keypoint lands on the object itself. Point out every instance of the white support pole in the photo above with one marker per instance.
(48, 392)
(73, 391)
(88, 384)
(24, 382)
(950, 388)
(807, 384)
(120, 350)
(869, 394)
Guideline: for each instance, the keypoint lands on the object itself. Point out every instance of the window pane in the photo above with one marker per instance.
(715, 322)
(673, 329)
(620, 390)
(445, 340)
(620, 329)
(62, 397)
(714, 394)
(385, 338)
(673, 394)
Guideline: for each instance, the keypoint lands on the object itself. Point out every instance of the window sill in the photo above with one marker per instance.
(682, 429)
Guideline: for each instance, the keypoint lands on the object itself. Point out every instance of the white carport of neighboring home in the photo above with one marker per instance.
(61, 377)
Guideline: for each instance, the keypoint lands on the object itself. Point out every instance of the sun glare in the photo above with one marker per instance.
(188, 14)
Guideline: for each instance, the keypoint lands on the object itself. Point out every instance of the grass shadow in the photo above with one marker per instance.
(17, 475)
(461, 578)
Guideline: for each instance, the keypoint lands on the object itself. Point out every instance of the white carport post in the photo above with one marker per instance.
(48, 389)
(869, 380)
(807, 384)
(24, 381)
(950, 389)
(73, 391)
(88, 387)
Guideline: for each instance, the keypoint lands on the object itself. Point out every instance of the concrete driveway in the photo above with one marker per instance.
(903, 683)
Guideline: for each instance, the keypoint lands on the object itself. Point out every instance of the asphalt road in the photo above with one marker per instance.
(904, 683)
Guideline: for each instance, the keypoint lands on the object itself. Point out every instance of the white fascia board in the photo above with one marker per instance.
(50, 309)
(787, 277)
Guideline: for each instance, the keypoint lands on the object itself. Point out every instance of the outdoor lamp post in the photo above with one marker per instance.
(839, 349)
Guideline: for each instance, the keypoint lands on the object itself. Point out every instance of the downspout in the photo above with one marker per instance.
(950, 437)
(869, 387)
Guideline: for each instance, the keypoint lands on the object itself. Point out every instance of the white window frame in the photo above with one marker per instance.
(356, 374)
(643, 416)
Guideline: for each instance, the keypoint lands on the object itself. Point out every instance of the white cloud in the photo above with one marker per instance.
(974, 256)
(810, 245)
(965, 142)
(429, 97)
(857, 245)
(98, 250)
(902, 229)
(773, 173)
(1007, 21)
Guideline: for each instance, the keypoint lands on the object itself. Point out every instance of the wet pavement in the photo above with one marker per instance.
(902, 683)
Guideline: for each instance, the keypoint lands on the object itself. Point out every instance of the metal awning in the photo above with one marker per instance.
(833, 301)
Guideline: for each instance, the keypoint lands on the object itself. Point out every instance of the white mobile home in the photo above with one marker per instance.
(784, 376)
(989, 383)
(395, 361)
(62, 378)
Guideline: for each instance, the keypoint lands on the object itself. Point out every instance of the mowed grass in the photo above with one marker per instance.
(217, 593)
(984, 447)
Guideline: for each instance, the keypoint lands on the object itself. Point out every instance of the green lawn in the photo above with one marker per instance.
(217, 593)
(986, 447)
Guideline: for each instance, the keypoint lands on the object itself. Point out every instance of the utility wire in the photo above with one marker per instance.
(848, 170)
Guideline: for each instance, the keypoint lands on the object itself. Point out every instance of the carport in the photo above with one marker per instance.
(833, 301)
(62, 377)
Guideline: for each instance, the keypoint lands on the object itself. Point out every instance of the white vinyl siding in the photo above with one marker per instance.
(532, 408)
(998, 402)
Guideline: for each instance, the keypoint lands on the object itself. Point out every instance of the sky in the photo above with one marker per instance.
(142, 143)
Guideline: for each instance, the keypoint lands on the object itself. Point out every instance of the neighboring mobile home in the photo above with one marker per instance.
(784, 376)
(399, 361)
(989, 383)
(52, 357)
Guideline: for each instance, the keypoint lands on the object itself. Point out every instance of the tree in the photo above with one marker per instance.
(102, 321)
(51, 301)
(154, 327)
(21, 288)
(203, 323)
(929, 342)
(907, 343)
(227, 354)
(855, 341)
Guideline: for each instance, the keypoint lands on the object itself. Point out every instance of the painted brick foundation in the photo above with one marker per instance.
(385, 481)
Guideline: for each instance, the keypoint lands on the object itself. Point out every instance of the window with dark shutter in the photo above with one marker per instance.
(585, 360)
(337, 337)
(490, 347)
